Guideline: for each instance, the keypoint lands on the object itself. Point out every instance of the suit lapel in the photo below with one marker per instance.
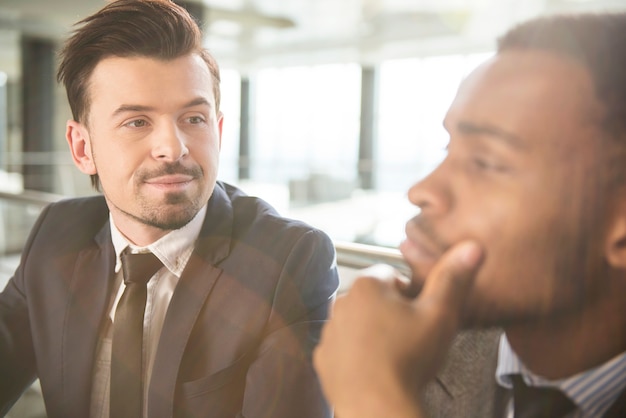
(466, 385)
(471, 352)
(88, 295)
(190, 297)
(188, 300)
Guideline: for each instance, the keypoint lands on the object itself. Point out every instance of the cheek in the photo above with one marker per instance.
(517, 235)
(207, 155)
(529, 252)
(114, 166)
(483, 216)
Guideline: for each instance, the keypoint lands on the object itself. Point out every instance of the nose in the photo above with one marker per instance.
(169, 143)
(432, 194)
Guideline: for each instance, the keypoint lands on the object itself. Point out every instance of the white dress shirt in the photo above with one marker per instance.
(173, 250)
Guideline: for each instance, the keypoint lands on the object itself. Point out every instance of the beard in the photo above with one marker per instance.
(568, 263)
(176, 212)
(176, 209)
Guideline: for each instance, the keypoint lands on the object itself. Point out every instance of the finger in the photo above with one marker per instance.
(407, 287)
(387, 273)
(451, 278)
(382, 272)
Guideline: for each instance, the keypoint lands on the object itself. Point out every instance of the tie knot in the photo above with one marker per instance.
(139, 268)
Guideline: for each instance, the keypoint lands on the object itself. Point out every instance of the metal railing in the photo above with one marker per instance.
(31, 197)
(358, 256)
(349, 254)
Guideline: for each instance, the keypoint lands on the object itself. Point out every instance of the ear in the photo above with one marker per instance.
(220, 123)
(77, 137)
(615, 246)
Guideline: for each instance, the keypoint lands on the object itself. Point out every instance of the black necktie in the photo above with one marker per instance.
(126, 397)
(539, 402)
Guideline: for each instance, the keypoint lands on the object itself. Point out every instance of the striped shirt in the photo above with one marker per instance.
(593, 391)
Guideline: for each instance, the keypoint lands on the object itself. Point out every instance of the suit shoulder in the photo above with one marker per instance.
(256, 219)
(265, 219)
(252, 209)
(77, 216)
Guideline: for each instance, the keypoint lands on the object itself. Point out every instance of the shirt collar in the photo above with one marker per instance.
(173, 249)
(593, 390)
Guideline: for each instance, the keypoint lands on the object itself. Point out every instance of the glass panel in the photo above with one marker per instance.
(230, 86)
(307, 122)
(16, 219)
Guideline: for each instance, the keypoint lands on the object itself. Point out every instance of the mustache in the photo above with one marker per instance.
(169, 169)
(426, 228)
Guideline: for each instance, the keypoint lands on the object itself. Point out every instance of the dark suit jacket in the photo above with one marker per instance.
(239, 330)
(466, 386)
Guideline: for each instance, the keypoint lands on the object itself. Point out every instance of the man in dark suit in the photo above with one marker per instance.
(522, 227)
(237, 297)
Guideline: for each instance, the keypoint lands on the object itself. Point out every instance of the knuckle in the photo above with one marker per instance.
(364, 285)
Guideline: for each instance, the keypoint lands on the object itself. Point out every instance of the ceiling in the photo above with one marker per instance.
(248, 34)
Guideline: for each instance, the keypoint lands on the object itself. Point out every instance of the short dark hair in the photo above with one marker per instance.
(128, 28)
(597, 41)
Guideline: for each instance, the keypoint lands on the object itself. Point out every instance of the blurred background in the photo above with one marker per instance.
(333, 108)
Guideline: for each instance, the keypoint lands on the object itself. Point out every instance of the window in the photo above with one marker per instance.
(305, 139)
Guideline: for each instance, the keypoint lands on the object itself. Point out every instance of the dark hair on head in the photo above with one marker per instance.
(598, 41)
(128, 28)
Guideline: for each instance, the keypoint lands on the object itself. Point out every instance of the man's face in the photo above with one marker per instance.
(153, 136)
(522, 177)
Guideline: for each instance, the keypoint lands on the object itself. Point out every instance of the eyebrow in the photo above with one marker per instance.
(198, 101)
(473, 129)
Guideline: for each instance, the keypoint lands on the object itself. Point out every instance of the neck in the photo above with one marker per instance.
(140, 235)
(562, 347)
(136, 232)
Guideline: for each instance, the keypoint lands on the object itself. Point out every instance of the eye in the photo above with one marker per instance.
(195, 119)
(484, 164)
(137, 123)
(481, 163)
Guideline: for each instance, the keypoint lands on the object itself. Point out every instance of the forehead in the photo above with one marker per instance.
(131, 80)
(536, 96)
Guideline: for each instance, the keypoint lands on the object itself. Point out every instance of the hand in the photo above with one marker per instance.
(380, 348)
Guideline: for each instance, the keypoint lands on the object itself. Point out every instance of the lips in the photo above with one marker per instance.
(170, 179)
(420, 249)
(170, 176)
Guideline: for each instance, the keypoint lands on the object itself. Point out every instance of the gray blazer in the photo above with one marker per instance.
(466, 386)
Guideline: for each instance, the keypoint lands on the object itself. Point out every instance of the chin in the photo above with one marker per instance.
(170, 218)
(485, 314)
(481, 313)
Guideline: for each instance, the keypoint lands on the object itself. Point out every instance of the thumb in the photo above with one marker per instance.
(450, 279)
